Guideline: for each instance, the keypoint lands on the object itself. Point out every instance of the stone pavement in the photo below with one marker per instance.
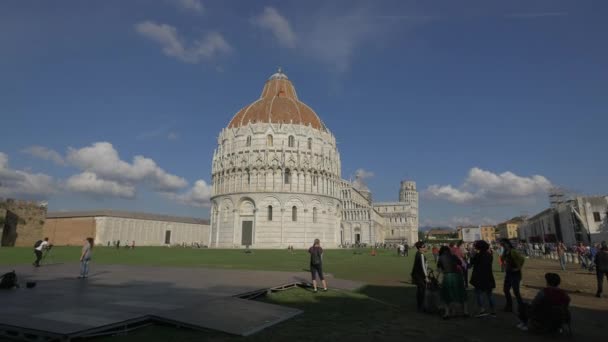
(62, 306)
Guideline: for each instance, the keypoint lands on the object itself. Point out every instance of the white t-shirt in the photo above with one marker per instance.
(42, 246)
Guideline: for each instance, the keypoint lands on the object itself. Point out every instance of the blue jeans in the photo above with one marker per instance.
(512, 280)
(479, 294)
(562, 262)
(84, 267)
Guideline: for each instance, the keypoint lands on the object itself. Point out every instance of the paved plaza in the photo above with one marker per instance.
(114, 296)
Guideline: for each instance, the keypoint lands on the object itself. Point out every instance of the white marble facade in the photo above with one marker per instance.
(276, 180)
(288, 191)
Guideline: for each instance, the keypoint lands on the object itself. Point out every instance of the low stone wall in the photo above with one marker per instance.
(22, 222)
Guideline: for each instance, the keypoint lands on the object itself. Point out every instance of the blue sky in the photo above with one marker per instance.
(485, 104)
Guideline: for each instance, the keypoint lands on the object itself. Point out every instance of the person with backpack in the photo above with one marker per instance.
(513, 264)
(40, 246)
(85, 257)
(601, 268)
(316, 264)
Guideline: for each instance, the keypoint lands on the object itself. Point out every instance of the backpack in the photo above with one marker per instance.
(315, 257)
(8, 280)
(38, 243)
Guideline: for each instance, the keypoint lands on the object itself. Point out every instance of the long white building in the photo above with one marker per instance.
(276, 180)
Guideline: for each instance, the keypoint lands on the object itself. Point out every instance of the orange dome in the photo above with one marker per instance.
(278, 104)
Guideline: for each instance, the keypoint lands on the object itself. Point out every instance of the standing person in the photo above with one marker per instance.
(482, 277)
(420, 274)
(118, 244)
(561, 254)
(601, 268)
(316, 264)
(452, 286)
(459, 251)
(85, 257)
(435, 252)
(513, 264)
(406, 249)
(40, 246)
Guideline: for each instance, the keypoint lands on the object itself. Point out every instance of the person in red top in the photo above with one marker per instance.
(316, 264)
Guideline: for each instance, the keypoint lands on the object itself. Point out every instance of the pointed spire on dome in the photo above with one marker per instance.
(279, 75)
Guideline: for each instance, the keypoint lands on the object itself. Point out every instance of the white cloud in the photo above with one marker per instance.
(272, 20)
(88, 182)
(189, 5)
(102, 159)
(45, 153)
(172, 136)
(198, 196)
(206, 48)
(360, 176)
(486, 187)
(16, 182)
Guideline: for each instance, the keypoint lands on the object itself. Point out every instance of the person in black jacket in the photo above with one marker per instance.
(420, 274)
(483, 278)
(601, 267)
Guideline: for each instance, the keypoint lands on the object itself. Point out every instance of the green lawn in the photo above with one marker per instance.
(343, 263)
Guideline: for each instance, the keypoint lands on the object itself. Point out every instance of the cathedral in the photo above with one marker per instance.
(276, 182)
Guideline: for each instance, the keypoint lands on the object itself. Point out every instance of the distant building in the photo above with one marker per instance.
(441, 234)
(400, 218)
(509, 229)
(580, 219)
(110, 226)
(542, 227)
(469, 233)
(488, 233)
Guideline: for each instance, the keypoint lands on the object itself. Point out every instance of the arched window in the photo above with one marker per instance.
(249, 140)
(310, 143)
(226, 210)
(314, 215)
(314, 179)
(269, 140)
(248, 177)
(294, 213)
(269, 213)
(287, 176)
(291, 141)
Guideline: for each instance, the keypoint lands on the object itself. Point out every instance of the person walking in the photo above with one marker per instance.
(513, 264)
(452, 287)
(420, 274)
(561, 254)
(601, 268)
(85, 257)
(40, 246)
(482, 277)
(316, 264)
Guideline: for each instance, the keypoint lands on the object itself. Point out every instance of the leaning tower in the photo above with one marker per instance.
(408, 192)
(409, 196)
